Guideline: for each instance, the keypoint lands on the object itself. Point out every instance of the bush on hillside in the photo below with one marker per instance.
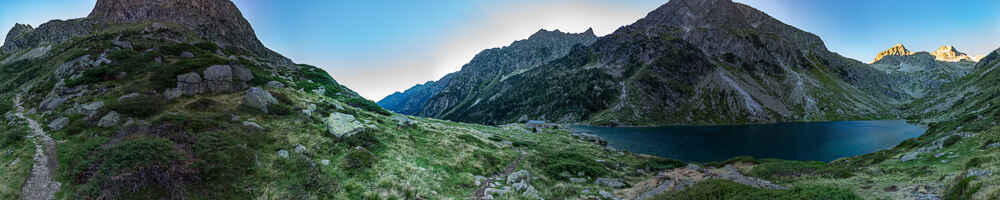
(142, 106)
(718, 189)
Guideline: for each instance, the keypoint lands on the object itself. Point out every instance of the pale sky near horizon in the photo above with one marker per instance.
(377, 47)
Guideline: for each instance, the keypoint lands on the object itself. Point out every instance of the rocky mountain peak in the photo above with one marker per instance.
(895, 50)
(950, 54)
(219, 21)
(17, 30)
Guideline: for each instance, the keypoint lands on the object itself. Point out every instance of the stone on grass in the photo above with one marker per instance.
(129, 97)
(109, 120)
(610, 182)
(187, 54)
(300, 149)
(909, 156)
(259, 99)
(342, 125)
(283, 153)
(252, 125)
(275, 84)
(324, 162)
(59, 124)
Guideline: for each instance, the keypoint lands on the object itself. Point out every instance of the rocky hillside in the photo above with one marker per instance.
(917, 73)
(487, 69)
(689, 62)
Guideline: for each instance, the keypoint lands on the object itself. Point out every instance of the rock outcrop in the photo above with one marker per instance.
(23, 37)
(219, 21)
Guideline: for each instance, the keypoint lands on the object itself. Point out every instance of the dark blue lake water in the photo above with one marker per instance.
(821, 141)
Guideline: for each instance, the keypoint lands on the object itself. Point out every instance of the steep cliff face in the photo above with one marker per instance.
(487, 69)
(219, 21)
(691, 62)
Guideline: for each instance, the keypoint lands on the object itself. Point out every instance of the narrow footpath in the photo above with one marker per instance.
(481, 192)
(40, 185)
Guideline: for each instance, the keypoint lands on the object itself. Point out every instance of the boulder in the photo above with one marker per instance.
(610, 182)
(324, 162)
(259, 99)
(187, 54)
(110, 120)
(219, 78)
(190, 83)
(122, 44)
(519, 176)
(978, 173)
(577, 180)
(282, 153)
(52, 103)
(275, 84)
(253, 126)
(90, 109)
(300, 149)
(909, 156)
(173, 93)
(403, 120)
(342, 125)
(129, 97)
(59, 124)
(242, 74)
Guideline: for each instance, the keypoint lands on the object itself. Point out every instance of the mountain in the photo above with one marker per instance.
(950, 54)
(917, 73)
(486, 69)
(688, 62)
(895, 50)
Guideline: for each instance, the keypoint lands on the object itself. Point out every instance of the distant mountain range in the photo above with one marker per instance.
(687, 62)
(916, 73)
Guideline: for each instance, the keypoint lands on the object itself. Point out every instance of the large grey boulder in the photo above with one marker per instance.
(59, 124)
(219, 78)
(342, 125)
(90, 109)
(52, 103)
(259, 99)
(519, 176)
(242, 74)
(909, 156)
(190, 83)
(110, 120)
(275, 84)
(610, 182)
(187, 54)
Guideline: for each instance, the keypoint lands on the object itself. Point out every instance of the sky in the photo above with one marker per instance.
(377, 47)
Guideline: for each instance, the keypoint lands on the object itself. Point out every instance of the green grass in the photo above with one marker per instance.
(13, 176)
(718, 189)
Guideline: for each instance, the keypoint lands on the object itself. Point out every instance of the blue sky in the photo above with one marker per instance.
(377, 47)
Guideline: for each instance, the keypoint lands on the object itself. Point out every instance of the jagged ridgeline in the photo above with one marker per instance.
(687, 62)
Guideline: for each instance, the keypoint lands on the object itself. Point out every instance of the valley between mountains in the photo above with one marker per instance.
(179, 99)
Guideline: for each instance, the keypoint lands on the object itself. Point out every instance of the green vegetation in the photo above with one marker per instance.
(15, 159)
(724, 189)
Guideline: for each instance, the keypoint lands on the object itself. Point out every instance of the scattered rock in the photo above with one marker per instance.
(52, 103)
(909, 156)
(590, 138)
(187, 54)
(519, 176)
(275, 84)
(978, 173)
(122, 44)
(608, 195)
(994, 145)
(252, 125)
(577, 180)
(129, 97)
(403, 120)
(109, 120)
(259, 99)
(59, 124)
(300, 149)
(342, 125)
(610, 182)
(283, 153)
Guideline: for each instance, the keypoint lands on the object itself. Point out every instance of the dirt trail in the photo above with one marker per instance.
(481, 192)
(40, 185)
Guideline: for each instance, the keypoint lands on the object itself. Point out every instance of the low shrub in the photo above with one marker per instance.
(962, 189)
(951, 140)
(783, 169)
(569, 161)
(660, 164)
(745, 159)
(12, 136)
(365, 139)
(142, 106)
(366, 105)
(203, 104)
(139, 154)
(358, 160)
(280, 109)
